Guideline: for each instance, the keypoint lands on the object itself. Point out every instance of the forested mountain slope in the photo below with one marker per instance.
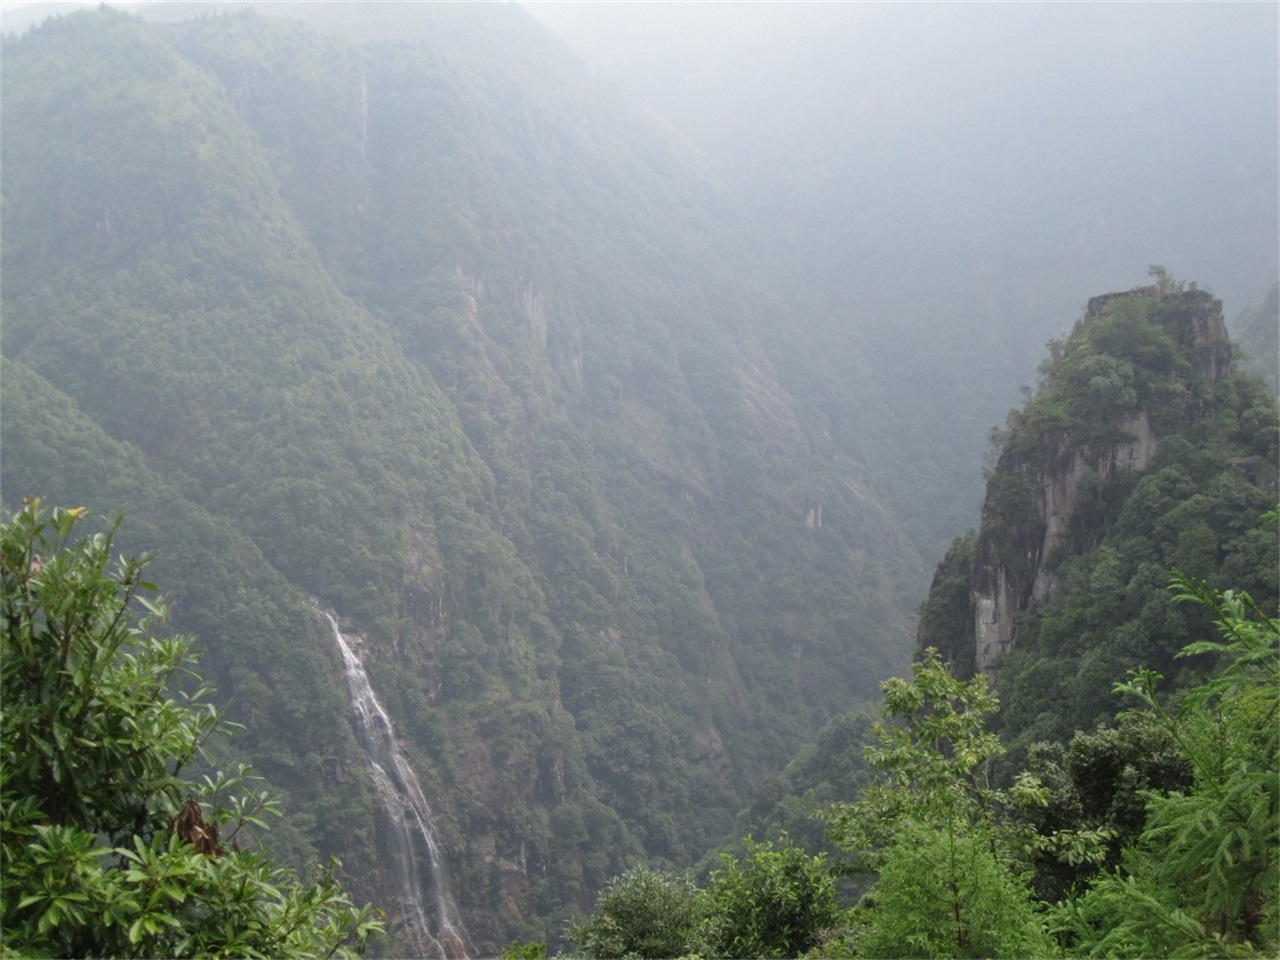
(225, 592)
(1257, 332)
(481, 367)
(1115, 794)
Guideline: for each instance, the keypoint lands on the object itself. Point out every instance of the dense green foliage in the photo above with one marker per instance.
(774, 901)
(1138, 351)
(644, 913)
(110, 847)
(1096, 797)
(946, 884)
(1155, 837)
(477, 360)
(1202, 878)
(1113, 614)
(830, 769)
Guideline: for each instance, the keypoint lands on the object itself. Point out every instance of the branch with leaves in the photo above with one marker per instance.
(107, 850)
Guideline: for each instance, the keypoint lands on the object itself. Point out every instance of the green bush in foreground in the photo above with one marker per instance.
(107, 850)
(1203, 877)
(645, 913)
(776, 902)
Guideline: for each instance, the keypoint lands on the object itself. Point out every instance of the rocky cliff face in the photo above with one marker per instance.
(1059, 472)
(1003, 587)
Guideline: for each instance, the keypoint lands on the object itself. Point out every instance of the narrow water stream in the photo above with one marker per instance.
(428, 921)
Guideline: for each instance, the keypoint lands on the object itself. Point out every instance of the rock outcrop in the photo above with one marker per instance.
(1047, 494)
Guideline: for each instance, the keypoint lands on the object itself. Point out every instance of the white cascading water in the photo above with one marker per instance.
(412, 828)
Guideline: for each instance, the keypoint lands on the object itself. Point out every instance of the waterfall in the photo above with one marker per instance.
(412, 833)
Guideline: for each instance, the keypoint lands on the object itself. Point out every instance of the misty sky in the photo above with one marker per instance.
(1020, 119)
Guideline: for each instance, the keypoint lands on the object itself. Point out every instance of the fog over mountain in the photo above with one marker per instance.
(944, 181)
(598, 384)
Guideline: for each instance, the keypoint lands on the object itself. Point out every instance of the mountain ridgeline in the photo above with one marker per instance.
(480, 366)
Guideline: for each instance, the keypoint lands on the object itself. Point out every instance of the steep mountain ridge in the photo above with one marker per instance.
(483, 374)
(1142, 451)
(1014, 565)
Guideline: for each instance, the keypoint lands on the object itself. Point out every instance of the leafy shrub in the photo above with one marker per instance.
(776, 902)
(644, 913)
(107, 850)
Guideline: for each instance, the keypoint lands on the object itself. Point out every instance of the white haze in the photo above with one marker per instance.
(948, 183)
(1167, 107)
